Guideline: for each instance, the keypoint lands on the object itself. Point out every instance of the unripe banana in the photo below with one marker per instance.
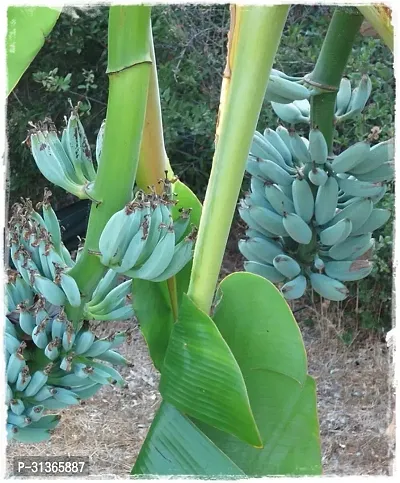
(343, 96)
(53, 168)
(303, 199)
(134, 250)
(107, 283)
(181, 224)
(358, 213)
(77, 147)
(317, 176)
(319, 264)
(361, 95)
(278, 200)
(84, 341)
(52, 225)
(65, 396)
(279, 73)
(112, 357)
(297, 228)
(349, 247)
(354, 187)
(326, 201)
(378, 154)
(376, 219)
(295, 288)
(267, 271)
(336, 233)
(49, 290)
(23, 379)
(112, 299)
(304, 106)
(318, 148)
(328, 287)
(38, 380)
(14, 366)
(286, 265)
(269, 220)
(283, 133)
(255, 199)
(260, 249)
(299, 148)
(263, 149)
(349, 271)
(252, 166)
(66, 256)
(70, 288)
(114, 231)
(362, 251)
(351, 157)
(244, 212)
(158, 260)
(280, 88)
(39, 335)
(183, 253)
(289, 113)
(276, 141)
(385, 172)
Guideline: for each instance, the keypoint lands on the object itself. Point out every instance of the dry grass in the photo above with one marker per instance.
(353, 404)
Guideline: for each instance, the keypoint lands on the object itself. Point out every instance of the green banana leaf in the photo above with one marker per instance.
(174, 446)
(27, 28)
(260, 329)
(152, 303)
(262, 333)
(153, 309)
(201, 377)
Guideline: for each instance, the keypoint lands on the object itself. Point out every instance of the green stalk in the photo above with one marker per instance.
(330, 66)
(129, 66)
(254, 38)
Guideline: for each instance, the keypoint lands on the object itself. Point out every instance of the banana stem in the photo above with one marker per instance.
(153, 160)
(330, 66)
(129, 66)
(252, 43)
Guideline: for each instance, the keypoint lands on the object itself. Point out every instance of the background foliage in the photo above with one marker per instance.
(190, 48)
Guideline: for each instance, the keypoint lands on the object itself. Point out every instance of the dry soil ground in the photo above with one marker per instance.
(355, 403)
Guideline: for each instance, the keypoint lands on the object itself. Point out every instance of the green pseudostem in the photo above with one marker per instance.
(253, 40)
(327, 74)
(330, 66)
(129, 67)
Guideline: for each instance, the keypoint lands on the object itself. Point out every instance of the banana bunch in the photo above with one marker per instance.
(311, 217)
(39, 255)
(289, 97)
(49, 364)
(350, 102)
(143, 241)
(66, 162)
(110, 301)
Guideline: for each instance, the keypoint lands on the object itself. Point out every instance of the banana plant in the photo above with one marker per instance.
(237, 398)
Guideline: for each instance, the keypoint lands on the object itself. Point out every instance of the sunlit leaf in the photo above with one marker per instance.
(27, 28)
